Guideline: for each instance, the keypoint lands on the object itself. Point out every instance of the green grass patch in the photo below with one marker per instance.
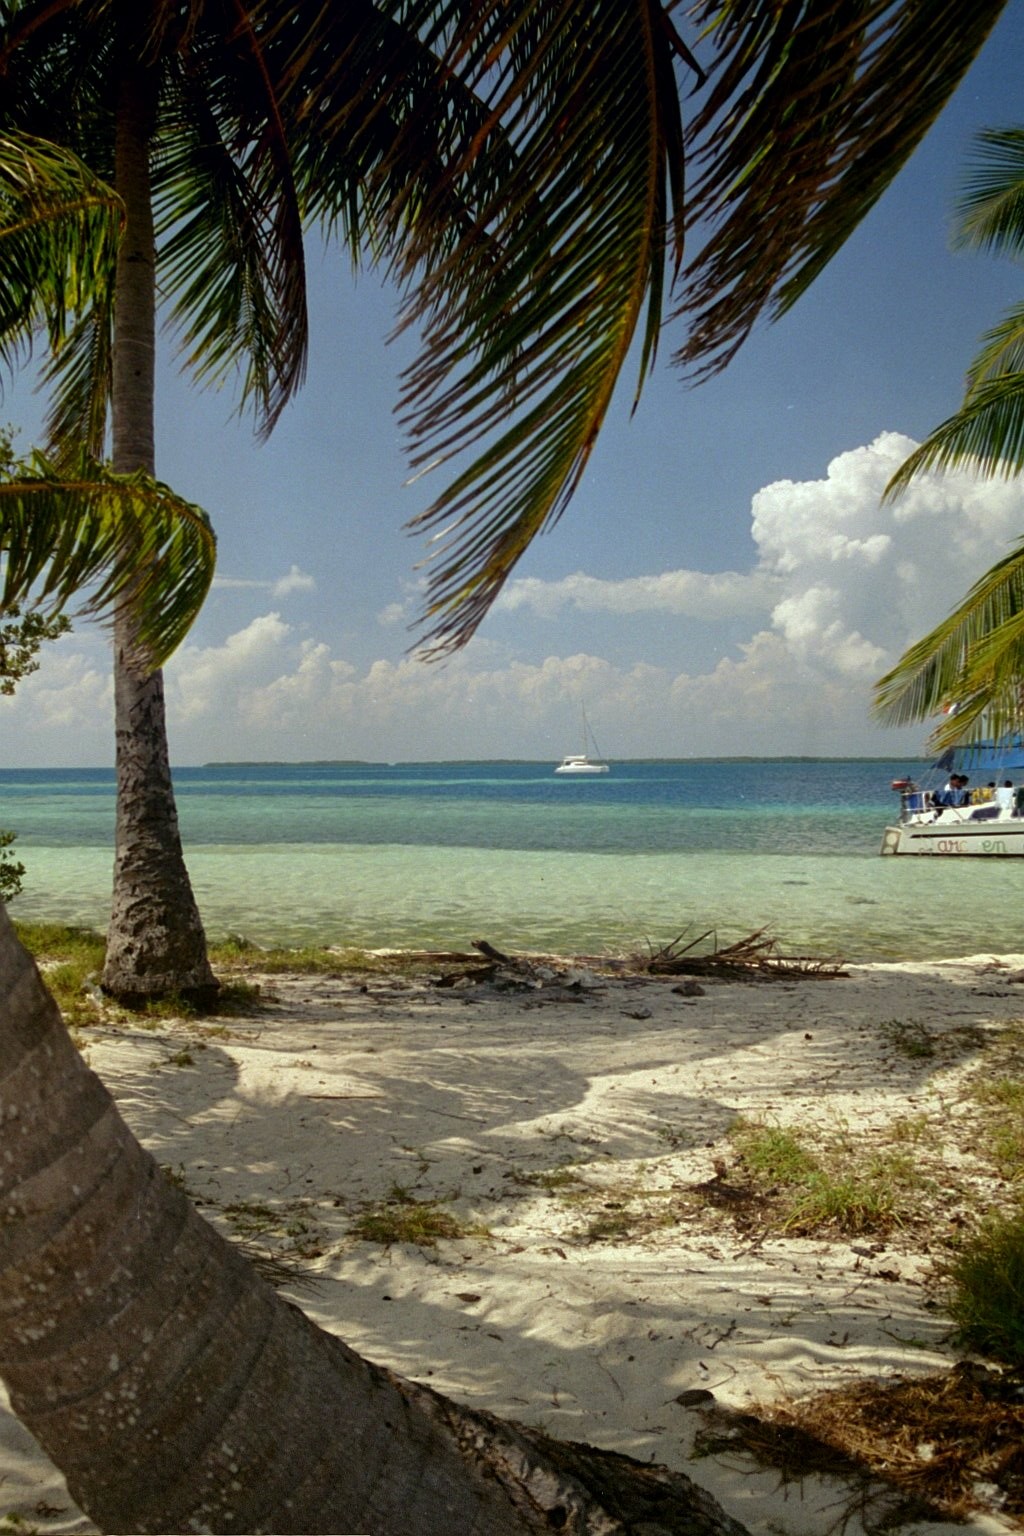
(57, 942)
(915, 1130)
(554, 1180)
(1003, 1093)
(293, 1226)
(910, 1038)
(1000, 1129)
(772, 1153)
(850, 1203)
(986, 1281)
(69, 959)
(839, 1186)
(611, 1227)
(400, 1218)
(308, 961)
(238, 953)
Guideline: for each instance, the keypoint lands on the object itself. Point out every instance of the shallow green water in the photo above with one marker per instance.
(435, 855)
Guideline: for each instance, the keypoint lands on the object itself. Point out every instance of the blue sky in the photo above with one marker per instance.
(724, 582)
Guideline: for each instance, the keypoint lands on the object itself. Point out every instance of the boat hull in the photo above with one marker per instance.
(582, 770)
(955, 835)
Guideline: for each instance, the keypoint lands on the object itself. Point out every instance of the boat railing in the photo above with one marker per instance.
(914, 800)
(917, 804)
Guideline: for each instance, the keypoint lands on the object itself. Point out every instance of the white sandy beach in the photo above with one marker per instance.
(611, 1285)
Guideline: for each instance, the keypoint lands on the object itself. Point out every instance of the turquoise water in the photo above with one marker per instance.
(436, 854)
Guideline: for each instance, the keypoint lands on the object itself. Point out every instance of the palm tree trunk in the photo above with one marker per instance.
(177, 1391)
(155, 943)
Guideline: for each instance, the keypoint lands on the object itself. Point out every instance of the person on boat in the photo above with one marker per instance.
(1004, 797)
(954, 792)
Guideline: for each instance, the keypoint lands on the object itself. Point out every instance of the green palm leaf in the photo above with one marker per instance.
(974, 658)
(79, 378)
(518, 167)
(538, 214)
(990, 215)
(59, 227)
(529, 312)
(128, 537)
(986, 433)
(1001, 352)
(231, 229)
(815, 106)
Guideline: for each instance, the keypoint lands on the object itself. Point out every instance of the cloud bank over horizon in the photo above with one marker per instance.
(839, 584)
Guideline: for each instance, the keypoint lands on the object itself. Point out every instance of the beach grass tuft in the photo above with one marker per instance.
(238, 953)
(401, 1218)
(839, 1185)
(70, 960)
(772, 1152)
(909, 1037)
(986, 1283)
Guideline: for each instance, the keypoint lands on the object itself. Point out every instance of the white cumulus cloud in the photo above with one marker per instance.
(840, 583)
(282, 586)
(693, 594)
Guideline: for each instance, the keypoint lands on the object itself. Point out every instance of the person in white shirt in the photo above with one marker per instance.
(1004, 798)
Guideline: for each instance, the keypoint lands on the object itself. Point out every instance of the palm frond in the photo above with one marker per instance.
(530, 221)
(1001, 352)
(397, 109)
(974, 658)
(78, 377)
(521, 167)
(128, 537)
(986, 434)
(231, 227)
(990, 209)
(815, 105)
(59, 227)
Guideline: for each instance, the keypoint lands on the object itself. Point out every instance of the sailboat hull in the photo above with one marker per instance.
(580, 764)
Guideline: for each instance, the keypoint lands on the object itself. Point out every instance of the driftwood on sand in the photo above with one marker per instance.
(756, 956)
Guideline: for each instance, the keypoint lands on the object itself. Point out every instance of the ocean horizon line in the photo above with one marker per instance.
(455, 762)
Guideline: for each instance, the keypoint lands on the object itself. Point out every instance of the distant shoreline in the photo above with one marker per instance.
(526, 762)
(468, 762)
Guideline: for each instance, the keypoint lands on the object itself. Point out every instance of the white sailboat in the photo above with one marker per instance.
(582, 763)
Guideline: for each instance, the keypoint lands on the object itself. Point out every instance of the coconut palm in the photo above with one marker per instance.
(64, 527)
(975, 657)
(519, 167)
(95, 76)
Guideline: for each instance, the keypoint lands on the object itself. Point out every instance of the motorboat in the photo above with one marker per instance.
(979, 811)
(582, 764)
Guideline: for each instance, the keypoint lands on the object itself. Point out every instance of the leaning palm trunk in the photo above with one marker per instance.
(177, 1391)
(155, 942)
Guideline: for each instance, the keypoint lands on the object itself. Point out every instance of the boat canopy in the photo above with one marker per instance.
(986, 758)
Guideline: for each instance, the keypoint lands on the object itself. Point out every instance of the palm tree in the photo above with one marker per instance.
(520, 168)
(103, 78)
(519, 165)
(974, 659)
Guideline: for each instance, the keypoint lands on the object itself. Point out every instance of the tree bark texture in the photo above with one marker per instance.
(177, 1391)
(155, 941)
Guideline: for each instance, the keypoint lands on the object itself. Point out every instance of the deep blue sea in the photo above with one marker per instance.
(436, 854)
